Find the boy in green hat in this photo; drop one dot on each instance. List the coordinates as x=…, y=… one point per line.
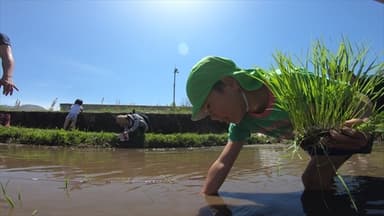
x=216, y=87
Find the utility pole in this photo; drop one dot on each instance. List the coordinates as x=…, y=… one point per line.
x=175, y=71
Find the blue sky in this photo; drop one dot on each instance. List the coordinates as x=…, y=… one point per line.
x=124, y=52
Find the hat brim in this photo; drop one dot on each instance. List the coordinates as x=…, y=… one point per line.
x=199, y=116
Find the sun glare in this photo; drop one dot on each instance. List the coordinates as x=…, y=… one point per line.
x=183, y=48
x=177, y=5
x=177, y=10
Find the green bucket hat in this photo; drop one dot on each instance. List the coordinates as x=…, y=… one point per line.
x=207, y=72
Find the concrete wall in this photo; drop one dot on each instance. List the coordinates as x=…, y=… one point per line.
x=159, y=123
x=65, y=107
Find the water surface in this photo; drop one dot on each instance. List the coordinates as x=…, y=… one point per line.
x=64, y=181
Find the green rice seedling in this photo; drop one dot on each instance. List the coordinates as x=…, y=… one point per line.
x=7, y=198
x=35, y=212
x=66, y=183
x=279, y=167
x=374, y=124
x=19, y=197
x=326, y=90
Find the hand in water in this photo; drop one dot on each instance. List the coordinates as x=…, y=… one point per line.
x=124, y=136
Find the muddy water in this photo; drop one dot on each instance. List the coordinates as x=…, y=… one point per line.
x=56, y=181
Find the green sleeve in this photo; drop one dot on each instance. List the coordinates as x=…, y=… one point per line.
x=237, y=133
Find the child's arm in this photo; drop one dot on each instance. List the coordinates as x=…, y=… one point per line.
x=221, y=167
x=7, y=60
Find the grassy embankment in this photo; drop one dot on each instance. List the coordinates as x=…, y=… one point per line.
x=76, y=138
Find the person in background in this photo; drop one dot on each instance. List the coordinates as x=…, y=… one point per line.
x=134, y=126
x=71, y=118
x=8, y=65
x=216, y=87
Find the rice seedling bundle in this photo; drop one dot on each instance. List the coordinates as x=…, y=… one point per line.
x=328, y=89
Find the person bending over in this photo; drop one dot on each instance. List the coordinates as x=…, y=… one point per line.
x=133, y=124
x=216, y=87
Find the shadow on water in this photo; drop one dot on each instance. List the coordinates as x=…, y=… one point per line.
x=367, y=193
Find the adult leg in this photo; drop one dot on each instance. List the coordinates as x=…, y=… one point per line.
x=321, y=170
x=73, y=123
x=137, y=137
x=66, y=123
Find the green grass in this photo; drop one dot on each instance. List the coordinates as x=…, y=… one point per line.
x=76, y=138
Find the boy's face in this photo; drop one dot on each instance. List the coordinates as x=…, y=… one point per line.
x=226, y=105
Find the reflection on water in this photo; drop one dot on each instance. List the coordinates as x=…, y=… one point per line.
x=367, y=195
x=366, y=191
x=57, y=181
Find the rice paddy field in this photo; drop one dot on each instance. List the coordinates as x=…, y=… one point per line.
x=41, y=180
